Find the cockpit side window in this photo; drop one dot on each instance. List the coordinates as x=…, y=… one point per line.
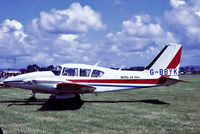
x=57, y=70
x=97, y=73
x=85, y=72
x=70, y=71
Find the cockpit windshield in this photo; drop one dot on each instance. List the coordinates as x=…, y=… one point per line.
x=97, y=73
x=57, y=70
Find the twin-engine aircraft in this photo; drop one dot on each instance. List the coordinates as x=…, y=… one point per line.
x=70, y=80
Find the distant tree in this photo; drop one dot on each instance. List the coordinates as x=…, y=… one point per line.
x=33, y=68
x=181, y=69
x=50, y=67
x=23, y=70
x=138, y=68
x=43, y=69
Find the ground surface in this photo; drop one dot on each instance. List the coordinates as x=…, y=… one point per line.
x=174, y=109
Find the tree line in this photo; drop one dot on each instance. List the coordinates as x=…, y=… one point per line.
x=183, y=70
x=35, y=68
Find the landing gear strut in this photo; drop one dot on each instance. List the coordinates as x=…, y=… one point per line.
x=77, y=99
x=77, y=96
x=32, y=98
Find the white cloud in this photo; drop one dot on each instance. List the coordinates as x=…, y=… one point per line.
x=177, y=3
x=138, y=33
x=55, y=38
x=75, y=19
x=12, y=37
x=136, y=40
x=41, y=57
x=184, y=22
x=137, y=27
x=59, y=36
x=114, y=48
x=190, y=56
x=14, y=27
x=68, y=37
x=197, y=13
x=12, y=24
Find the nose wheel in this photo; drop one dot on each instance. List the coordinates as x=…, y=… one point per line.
x=32, y=98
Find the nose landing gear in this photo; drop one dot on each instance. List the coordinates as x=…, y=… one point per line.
x=32, y=98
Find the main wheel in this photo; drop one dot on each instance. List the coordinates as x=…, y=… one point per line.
x=32, y=99
x=77, y=96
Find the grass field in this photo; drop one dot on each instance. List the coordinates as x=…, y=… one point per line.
x=174, y=109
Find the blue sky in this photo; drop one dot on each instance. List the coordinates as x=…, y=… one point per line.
x=116, y=32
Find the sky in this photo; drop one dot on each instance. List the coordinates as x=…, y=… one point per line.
x=115, y=32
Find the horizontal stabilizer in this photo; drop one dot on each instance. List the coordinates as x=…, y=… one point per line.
x=170, y=81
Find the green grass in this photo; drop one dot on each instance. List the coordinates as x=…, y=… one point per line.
x=174, y=109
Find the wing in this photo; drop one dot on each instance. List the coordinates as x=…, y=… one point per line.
x=71, y=88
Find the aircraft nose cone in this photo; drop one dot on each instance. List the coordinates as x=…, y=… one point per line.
x=8, y=80
x=5, y=81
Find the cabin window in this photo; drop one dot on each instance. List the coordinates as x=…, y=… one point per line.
x=97, y=73
x=70, y=71
x=85, y=72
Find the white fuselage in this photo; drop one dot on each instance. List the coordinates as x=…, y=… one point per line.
x=111, y=80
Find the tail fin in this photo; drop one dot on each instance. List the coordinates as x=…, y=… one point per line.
x=167, y=61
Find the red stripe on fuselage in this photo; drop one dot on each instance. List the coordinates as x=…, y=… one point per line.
x=116, y=81
x=176, y=60
x=15, y=81
x=122, y=81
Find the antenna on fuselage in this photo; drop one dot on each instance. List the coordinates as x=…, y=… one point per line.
x=121, y=68
x=97, y=63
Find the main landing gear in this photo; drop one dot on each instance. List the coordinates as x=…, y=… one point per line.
x=32, y=98
x=77, y=96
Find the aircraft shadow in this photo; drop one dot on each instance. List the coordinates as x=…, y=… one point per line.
x=48, y=104
x=61, y=105
x=73, y=104
x=150, y=101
